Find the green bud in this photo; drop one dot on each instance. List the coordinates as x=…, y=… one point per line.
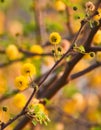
x=75, y=8
x=92, y=54
x=2, y=1
x=59, y=49
x=4, y=108
x=53, y=51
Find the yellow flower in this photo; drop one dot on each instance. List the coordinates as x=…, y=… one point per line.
x=19, y=100
x=21, y=82
x=98, y=16
x=97, y=37
x=60, y=6
x=75, y=26
x=70, y=107
x=3, y=84
x=12, y=52
x=54, y=38
x=40, y=106
x=98, y=56
x=28, y=69
x=36, y=49
x=2, y=22
x=93, y=115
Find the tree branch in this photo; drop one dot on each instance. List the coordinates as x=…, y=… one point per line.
x=88, y=69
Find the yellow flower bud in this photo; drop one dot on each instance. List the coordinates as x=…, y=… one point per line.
x=97, y=37
x=21, y=82
x=54, y=38
x=59, y=5
x=19, y=100
x=12, y=52
x=36, y=49
x=28, y=69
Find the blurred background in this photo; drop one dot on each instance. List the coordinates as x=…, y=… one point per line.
x=24, y=23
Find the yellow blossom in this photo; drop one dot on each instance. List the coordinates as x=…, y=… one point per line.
x=75, y=26
x=54, y=38
x=93, y=115
x=40, y=106
x=3, y=84
x=21, y=82
x=98, y=57
x=12, y=52
x=97, y=37
x=28, y=69
x=36, y=49
x=19, y=100
x=98, y=16
x=70, y=107
x=80, y=102
x=2, y=22
x=59, y=5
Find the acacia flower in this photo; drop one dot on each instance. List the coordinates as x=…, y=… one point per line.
x=54, y=38
x=60, y=6
x=98, y=16
x=19, y=100
x=12, y=52
x=21, y=82
x=28, y=69
x=97, y=37
x=36, y=49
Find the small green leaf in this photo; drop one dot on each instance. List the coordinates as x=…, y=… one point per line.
x=34, y=122
x=68, y=58
x=91, y=24
x=82, y=49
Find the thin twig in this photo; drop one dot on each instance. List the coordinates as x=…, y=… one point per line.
x=85, y=71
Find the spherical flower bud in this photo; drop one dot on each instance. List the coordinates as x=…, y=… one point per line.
x=75, y=8
x=59, y=5
x=98, y=16
x=28, y=69
x=54, y=38
x=97, y=37
x=36, y=49
x=19, y=100
x=21, y=82
x=92, y=54
x=12, y=52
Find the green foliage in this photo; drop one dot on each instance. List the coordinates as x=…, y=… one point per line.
x=26, y=5
x=29, y=28
x=79, y=49
x=4, y=4
x=78, y=16
x=38, y=115
x=70, y=90
x=68, y=3
x=37, y=64
x=96, y=128
x=53, y=25
x=93, y=23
